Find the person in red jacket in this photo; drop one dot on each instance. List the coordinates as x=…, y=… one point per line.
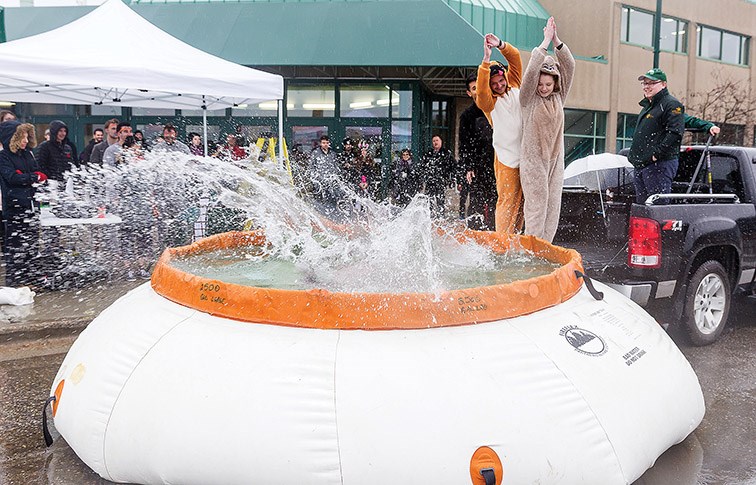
x=231, y=150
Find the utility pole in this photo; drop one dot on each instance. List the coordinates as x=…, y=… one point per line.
x=657, y=31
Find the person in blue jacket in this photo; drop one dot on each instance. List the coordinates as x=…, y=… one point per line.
x=19, y=175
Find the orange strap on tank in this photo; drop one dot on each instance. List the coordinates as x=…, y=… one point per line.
x=55, y=400
x=323, y=309
x=486, y=467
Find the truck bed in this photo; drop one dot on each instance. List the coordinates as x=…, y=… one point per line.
x=597, y=256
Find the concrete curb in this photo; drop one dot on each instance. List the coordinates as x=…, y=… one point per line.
x=41, y=330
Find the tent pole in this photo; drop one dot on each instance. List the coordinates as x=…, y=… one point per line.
x=280, y=133
x=204, y=125
x=601, y=195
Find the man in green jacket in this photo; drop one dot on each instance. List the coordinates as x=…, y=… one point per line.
x=658, y=133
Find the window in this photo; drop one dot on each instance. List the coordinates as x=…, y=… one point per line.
x=625, y=130
x=439, y=114
x=153, y=112
x=638, y=28
x=104, y=110
x=401, y=136
x=725, y=173
x=722, y=46
x=364, y=101
x=584, y=133
x=44, y=109
x=401, y=104
x=304, y=139
x=312, y=101
x=731, y=134
x=439, y=122
x=261, y=109
x=673, y=36
x=198, y=112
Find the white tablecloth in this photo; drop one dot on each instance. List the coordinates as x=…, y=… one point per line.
x=48, y=219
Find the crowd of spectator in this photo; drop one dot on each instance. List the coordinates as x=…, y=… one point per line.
x=357, y=166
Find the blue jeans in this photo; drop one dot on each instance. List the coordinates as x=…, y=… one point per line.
x=654, y=179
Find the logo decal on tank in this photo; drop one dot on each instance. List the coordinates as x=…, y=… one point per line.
x=584, y=341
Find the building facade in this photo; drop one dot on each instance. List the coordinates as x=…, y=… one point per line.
x=705, y=50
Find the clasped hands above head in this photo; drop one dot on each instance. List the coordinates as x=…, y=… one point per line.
x=492, y=42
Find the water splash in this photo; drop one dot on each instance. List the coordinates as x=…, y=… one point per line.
x=374, y=246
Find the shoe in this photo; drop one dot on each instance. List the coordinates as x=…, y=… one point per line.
x=144, y=274
x=130, y=276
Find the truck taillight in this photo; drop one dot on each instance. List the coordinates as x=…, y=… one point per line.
x=644, y=243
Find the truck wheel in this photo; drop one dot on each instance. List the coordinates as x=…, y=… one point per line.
x=707, y=303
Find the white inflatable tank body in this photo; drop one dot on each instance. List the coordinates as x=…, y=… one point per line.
x=158, y=393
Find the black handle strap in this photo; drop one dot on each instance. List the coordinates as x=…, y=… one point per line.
x=45, y=430
x=489, y=476
x=589, y=284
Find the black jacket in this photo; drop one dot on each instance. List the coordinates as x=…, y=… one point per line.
x=56, y=158
x=659, y=130
x=87, y=151
x=17, y=189
x=404, y=181
x=476, y=151
x=437, y=170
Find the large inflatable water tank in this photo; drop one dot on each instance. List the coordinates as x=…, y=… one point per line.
x=188, y=380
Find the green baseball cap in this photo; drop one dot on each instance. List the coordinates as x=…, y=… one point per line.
x=654, y=74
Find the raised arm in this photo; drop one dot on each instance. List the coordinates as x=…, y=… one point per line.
x=566, y=64
x=529, y=88
x=484, y=98
x=514, y=72
x=533, y=72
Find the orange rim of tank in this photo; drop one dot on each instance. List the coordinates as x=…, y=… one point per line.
x=323, y=309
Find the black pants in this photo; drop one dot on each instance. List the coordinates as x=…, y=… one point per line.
x=21, y=246
x=482, y=211
x=437, y=196
x=464, y=191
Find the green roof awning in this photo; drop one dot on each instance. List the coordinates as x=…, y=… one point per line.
x=325, y=32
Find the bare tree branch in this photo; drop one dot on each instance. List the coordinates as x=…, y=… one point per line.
x=730, y=104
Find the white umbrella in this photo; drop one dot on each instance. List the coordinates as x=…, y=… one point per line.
x=596, y=163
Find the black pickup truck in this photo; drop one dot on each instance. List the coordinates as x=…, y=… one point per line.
x=681, y=255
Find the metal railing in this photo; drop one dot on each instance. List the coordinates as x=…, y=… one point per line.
x=731, y=198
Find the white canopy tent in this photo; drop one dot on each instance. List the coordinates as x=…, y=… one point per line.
x=73, y=65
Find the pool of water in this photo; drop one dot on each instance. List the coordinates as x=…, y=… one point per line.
x=254, y=267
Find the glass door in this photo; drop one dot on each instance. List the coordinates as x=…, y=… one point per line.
x=303, y=135
x=373, y=137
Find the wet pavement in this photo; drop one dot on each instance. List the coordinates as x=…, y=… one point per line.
x=722, y=449
x=32, y=347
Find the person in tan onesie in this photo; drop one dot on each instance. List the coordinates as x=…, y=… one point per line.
x=498, y=97
x=545, y=86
